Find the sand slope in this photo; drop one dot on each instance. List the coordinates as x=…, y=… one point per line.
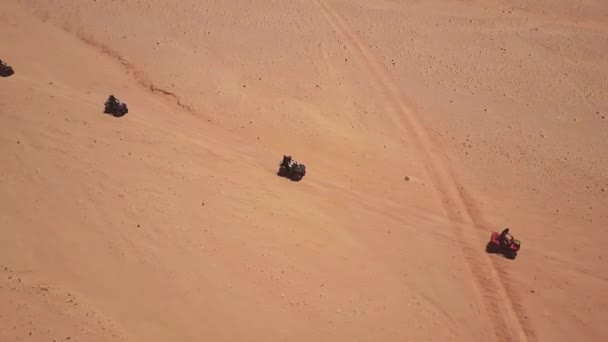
x=169, y=224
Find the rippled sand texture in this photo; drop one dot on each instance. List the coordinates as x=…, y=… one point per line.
x=424, y=126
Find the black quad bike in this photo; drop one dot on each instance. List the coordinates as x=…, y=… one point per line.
x=291, y=169
x=114, y=107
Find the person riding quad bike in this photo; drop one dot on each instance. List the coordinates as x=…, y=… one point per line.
x=288, y=162
x=505, y=238
x=115, y=107
x=504, y=244
x=291, y=169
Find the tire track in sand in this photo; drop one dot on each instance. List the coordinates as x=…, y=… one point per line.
x=458, y=206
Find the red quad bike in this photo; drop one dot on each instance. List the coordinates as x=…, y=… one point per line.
x=498, y=247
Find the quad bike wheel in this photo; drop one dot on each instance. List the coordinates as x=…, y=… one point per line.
x=282, y=171
x=491, y=248
x=511, y=255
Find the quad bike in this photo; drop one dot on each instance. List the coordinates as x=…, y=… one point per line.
x=291, y=169
x=498, y=246
x=115, y=107
x=5, y=69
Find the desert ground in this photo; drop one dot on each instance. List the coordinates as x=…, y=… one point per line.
x=424, y=127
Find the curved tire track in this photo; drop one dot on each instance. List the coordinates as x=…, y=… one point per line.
x=131, y=69
x=458, y=206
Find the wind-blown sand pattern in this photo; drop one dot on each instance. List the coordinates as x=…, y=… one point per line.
x=424, y=126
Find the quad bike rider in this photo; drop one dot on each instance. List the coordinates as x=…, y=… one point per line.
x=505, y=238
x=288, y=162
x=115, y=107
x=291, y=169
x=5, y=69
x=504, y=244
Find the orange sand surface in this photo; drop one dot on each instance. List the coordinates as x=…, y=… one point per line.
x=424, y=127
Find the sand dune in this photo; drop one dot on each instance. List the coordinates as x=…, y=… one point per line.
x=169, y=224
